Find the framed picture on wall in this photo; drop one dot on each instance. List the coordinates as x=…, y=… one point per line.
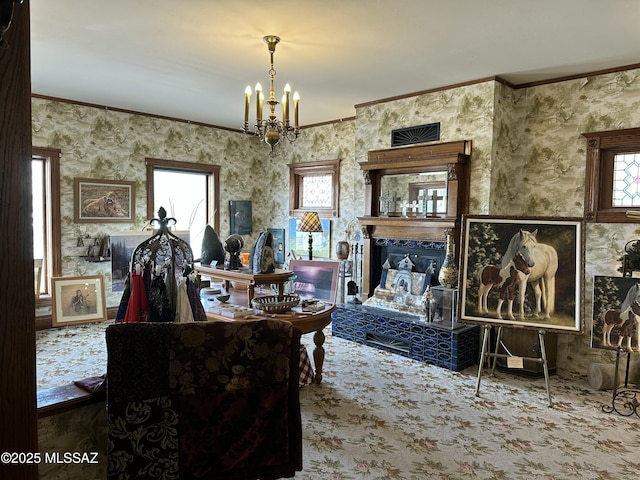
x=540, y=260
x=78, y=300
x=103, y=201
x=240, y=217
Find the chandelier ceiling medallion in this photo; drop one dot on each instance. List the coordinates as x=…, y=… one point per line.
x=272, y=130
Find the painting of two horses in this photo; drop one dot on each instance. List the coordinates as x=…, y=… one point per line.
x=522, y=272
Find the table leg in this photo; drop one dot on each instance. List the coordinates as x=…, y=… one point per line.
x=251, y=289
x=318, y=354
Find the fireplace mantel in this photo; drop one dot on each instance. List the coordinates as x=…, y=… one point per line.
x=399, y=228
x=452, y=158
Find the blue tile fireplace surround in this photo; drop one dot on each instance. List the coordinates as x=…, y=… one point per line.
x=408, y=336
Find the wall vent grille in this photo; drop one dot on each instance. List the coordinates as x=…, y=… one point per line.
x=420, y=134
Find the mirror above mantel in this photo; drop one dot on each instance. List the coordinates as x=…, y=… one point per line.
x=433, y=179
x=422, y=194
x=414, y=193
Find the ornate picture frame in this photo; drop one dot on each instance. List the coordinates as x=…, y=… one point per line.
x=103, y=201
x=539, y=262
x=78, y=300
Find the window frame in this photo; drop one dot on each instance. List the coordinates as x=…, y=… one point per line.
x=601, y=150
x=53, y=266
x=213, y=184
x=297, y=173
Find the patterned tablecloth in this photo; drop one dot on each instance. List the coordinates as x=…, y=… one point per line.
x=306, y=370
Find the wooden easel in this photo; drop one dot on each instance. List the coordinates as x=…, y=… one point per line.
x=495, y=355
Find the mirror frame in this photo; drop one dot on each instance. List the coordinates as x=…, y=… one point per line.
x=451, y=157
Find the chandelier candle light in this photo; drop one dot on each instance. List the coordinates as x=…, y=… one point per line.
x=272, y=130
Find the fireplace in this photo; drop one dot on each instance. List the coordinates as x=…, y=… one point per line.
x=390, y=229
x=433, y=182
x=423, y=254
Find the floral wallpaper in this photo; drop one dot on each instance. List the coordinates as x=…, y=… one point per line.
x=103, y=144
x=528, y=159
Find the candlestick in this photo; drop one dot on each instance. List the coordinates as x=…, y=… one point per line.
x=258, y=102
x=284, y=109
x=247, y=101
x=296, y=99
x=285, y=104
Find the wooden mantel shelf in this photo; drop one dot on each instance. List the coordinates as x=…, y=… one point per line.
x=407, y=228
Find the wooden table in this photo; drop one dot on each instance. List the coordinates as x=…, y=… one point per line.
x=244, y=275
x=305, y=322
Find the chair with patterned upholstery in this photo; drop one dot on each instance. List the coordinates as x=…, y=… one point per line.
x=203, y=400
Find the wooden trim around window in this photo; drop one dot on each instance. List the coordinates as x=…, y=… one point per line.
x=297, y=172
x=54, y=268
x=601, y=148
x=213, y=203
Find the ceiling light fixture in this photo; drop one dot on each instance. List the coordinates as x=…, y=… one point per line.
x=272, y=130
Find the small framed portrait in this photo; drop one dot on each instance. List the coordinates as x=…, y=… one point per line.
x=78, y=300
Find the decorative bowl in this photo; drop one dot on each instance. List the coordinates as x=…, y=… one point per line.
x=223, y=298
x=275, y=303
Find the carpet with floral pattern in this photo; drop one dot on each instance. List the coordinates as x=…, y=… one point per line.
x=377, y=415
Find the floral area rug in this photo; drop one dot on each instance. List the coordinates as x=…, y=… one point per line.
x=378, y=415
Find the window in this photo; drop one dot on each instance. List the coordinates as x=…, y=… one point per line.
x=612, y=181
x=189, y=192
x=314, y=186
x=45, y=174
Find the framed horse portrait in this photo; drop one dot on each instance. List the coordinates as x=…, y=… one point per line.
x=616, y=313
x=522, y=272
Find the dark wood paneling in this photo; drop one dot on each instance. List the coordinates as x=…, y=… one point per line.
x=18, y=424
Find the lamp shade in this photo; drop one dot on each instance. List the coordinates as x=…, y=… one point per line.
x=310, y=223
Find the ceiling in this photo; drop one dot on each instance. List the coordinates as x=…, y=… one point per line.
x=192, y=59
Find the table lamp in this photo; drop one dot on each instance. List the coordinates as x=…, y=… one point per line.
x=310, y=223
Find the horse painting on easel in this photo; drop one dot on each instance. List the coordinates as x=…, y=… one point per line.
x=543, y=292
x=616, y=313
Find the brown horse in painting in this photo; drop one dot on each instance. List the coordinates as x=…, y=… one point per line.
x=626, y=319
x=506, y=278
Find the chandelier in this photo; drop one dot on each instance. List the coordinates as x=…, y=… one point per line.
x=272, y=130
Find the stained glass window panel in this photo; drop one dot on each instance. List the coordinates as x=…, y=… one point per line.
x=626, y=180
x=317, y=191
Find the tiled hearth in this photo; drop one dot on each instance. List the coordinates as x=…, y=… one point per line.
x=408, y=336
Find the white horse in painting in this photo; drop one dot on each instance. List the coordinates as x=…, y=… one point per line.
x=543, y=266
